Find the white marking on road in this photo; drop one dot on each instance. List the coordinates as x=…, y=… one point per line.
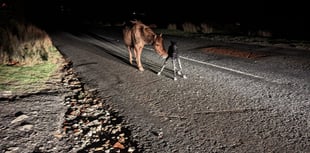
x=217, y=66
x=221, y=67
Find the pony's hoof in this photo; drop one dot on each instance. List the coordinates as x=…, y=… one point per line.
x=179, y=73
x=184, y=77
x=158, y=73
x=175, y=79
x=141, y=69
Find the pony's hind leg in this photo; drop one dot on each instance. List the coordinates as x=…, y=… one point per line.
x=138, y=51
x=130, y=55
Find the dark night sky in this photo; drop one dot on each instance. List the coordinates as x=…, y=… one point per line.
x=189, y=10
x=266, y=13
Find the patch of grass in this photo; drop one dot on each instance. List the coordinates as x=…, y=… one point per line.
x=28, y=58
x=23, y=79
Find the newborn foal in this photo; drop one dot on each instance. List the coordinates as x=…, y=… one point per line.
x=173, y=53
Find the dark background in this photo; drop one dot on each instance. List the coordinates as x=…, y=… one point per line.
x=287, y=19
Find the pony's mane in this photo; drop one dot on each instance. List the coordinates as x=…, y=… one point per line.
x=146, y=28
x=147, y=34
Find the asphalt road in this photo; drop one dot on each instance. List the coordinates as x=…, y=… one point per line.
x=227, y=103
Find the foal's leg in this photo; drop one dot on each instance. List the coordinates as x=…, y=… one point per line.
x=180, y=66
x=174, y=69
x=163, y=67
x=180, y=72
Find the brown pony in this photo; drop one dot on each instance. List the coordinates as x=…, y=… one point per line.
x=136, y=36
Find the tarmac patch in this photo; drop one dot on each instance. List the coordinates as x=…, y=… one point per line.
x=235, y=52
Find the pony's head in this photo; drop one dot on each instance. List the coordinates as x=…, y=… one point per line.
x=159, y=46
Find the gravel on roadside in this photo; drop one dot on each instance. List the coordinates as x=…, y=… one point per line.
x=64, y=118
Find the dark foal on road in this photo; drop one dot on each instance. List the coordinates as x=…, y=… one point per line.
x=173, y=53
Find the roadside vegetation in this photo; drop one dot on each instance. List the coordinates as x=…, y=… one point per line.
x=27, y=57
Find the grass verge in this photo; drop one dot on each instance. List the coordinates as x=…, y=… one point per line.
x=28, y=59
x=20, y=79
